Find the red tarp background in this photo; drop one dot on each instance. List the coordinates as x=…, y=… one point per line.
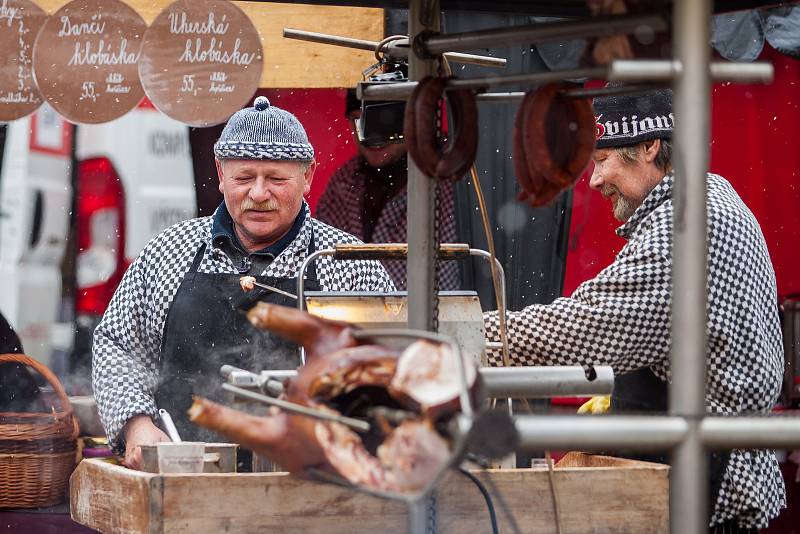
x=755, y=145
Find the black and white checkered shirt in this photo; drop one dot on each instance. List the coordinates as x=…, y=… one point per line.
x=126, y=351
x=622, y=318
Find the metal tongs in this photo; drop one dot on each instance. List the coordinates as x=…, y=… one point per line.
x=239, y=379
x=358, y=425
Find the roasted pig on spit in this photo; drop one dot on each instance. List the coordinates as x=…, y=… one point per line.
x=408, y=397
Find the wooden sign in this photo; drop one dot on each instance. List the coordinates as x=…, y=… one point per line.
x=20, y=22
x=201, y=61
x=85, y=60
x=289, y=63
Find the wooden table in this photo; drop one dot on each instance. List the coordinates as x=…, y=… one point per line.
x=596, y=494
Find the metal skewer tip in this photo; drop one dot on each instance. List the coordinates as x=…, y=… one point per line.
x=275, y=290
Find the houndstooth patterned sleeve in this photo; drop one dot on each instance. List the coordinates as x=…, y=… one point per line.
x=125, y=355
x=127, y=342
x=620, y=318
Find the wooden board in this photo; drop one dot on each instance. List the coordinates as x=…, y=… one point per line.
x=288, y=62
x=596, y=495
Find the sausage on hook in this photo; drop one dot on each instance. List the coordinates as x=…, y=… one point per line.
x=453, y=160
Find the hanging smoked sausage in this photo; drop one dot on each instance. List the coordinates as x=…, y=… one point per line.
x=453, y=160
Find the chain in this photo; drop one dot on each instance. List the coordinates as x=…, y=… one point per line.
x=431, y=513
x=436, y=218
x=431, y=504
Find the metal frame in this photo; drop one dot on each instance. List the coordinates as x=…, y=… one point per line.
x=472, y=252
x=686, y=431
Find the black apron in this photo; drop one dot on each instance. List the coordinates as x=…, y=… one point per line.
x=642, y=392
x=206, y=328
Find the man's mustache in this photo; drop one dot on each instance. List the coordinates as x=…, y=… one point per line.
x=267, y=205
x=607, y=190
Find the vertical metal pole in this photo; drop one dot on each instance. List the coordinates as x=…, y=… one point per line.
x=420, y=267
x=418, y=517
x=422, y=15
x=689, y=475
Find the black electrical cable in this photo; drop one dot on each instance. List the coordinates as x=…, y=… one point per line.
x=493, y=489
x=486, y=497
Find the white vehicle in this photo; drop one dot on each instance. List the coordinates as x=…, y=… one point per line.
x=133, y=178
x=35, y=198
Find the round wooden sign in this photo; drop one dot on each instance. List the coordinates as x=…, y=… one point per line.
x=85, y=60
x=20, y=22
x=201, y=61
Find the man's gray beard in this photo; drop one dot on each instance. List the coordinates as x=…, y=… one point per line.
x=623, y=208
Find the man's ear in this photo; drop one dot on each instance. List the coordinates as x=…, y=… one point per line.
x=221, y=177
x=308, y=177
x=650, y=150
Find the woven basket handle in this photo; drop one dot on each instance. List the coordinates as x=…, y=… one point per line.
x=53, y=380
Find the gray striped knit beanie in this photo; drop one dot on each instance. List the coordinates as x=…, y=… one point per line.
x=263, y=132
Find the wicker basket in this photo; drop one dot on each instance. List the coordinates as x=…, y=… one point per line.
x=37, y=450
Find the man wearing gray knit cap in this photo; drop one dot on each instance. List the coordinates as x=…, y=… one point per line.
x=176, y=317
x=622, y=317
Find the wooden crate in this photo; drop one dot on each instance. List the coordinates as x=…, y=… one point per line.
x=597, y=494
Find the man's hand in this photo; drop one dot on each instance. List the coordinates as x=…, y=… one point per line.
x=140, y=430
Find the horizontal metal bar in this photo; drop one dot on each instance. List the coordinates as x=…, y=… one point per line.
x=472, y=59
x=544, y=382
x=657, y=70
x=394, y=251
x=324, y=38
x=612, y=91
x=770, y=432
x=517, y=382
x=396, y=49
x=539, y=33
x=620, y=70
x=599, y=432
x=514, y=96
x=402, y=90
x=399, y=50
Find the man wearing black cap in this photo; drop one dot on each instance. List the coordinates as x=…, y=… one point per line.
x=175, y=318
x=367, y=196
x=622, y=316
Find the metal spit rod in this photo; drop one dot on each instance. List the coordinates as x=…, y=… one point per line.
x=500, y=382
x=397, y=49
x=544, y=32
x=275, y=290
x=355, y=424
